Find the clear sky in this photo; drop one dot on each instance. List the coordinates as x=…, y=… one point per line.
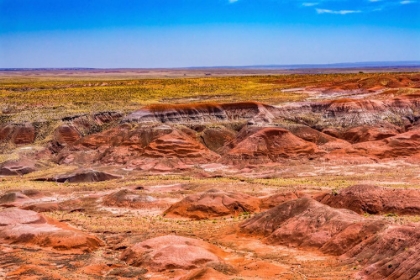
x=182, y=33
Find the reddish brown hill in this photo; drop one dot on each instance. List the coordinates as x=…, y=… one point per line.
x=18, y=133
x=135, y=145
x=375, y=200
x=213, y=203
x=217, y=138
x=81, y=176
x=389, y=254
x=17, y=167
x=368, y=133
x=324, y=141
x=171, y=252
x=305, y=222
x=126, y=198
x=30, y=228
x=386, y=251
x=270, y=144
x=279, y=198
x=66, y=135
x=401, y=145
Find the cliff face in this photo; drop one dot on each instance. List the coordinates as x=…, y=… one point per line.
x=202, y=113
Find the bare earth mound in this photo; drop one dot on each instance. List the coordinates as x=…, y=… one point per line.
x=31, y=228
x=390, y=254
x=84, y=176
x=375, y=200
x=277, y=199
x=171, y=252
x=213, y=203
x=386, y=251
x=270, y=144
x=305, y=222
x=125, y=198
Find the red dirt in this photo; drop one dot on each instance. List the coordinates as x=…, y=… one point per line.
x=368, y=133
x=30, y=228
x=18, y=133
x=389, y=254
x=270, y=144
x=81, y=176
x=126, y=198
x=171, y=252
x=213, y=203
x=17, y=167
x=305, y=222
x=374, y=200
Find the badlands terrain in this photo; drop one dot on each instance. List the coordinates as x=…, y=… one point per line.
x=205, y=175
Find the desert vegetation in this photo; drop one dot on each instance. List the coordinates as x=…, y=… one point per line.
x=291, y=176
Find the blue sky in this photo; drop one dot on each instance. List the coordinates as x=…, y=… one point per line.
x=182, y=33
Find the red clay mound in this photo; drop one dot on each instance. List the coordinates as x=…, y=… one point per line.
x=270, y=144
x=17, y=167
x=125, y=198
x=368, y=133
x=28, y=227
x=279, y=198
x=84, y=176
x=66, y=135
x=14, y=199
x=18, y=133
x=13, y=216
x=215, y=138
x=403, y=266
x=179, y=145
x=305, y=222
x=171, y=252
x=73, y=205
x=324, y=141
x=391, y=254
x=213, y=203
x=375, y=200
x=386, y=251
x=206, y=273
x=401, y=145
x=135, y=144
x=30, y=271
